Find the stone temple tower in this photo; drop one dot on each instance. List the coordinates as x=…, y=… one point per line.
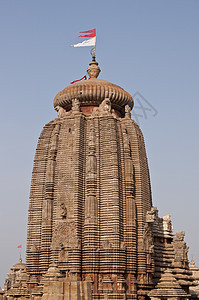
x=90, y=192
x=92, y=230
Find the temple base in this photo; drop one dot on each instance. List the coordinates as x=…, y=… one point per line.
x=75, y=290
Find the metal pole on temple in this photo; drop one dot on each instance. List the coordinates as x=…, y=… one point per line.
x=93, y=49
x=20, y=255
x=19, y=247
x=93, y=53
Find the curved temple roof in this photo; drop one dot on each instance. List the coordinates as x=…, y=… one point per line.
x=93, y=92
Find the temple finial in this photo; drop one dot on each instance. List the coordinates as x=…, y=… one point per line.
x=93, y=69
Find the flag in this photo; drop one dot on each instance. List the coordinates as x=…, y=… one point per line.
x=19, y=246
x=90, y=42
x=91, y=33
x=83, y=78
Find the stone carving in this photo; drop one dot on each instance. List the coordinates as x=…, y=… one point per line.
x=107, y=284
x=63, y=211
x=192, y=263
x=179, y=236
x=194, y=289
x=65, y=234
x=8, y=284
x=127, y=148
x=180, y=250
x=123, y=246
x=75, y=105
x=73, y=276
x=151, y=215
x=63, y=256
x=79, y=244
x=106, y=105
x=106, y=244
x=60, y=111
x=127, y=112
x=91, y=177
x=61, y=245
x=121, y=284
x=148, y=243
x=91, y=141
x=53, y=149
x=141, y=279
x=93, y=69
x=114, y=113
x=89, y=278
x=34, y=248
x=167, y=225
x=103, y=109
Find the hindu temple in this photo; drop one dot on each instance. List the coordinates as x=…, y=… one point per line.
x=93, y=232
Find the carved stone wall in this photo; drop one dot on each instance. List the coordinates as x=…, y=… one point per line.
x=89, y=216
x=167, y=251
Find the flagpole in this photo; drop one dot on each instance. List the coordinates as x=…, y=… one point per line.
x=95, y=45
x=93, y=52
x=19, y=247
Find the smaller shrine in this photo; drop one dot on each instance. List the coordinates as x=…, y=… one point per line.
x=16, y=282
x=194, y=289
x=168, y=288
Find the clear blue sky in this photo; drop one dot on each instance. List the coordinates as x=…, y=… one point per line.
x=146, y=46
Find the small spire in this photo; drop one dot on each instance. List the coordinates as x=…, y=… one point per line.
x=93, y=69
x=192, y=263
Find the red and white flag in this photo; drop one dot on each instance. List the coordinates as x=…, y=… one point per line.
x=90, y=42
x=83, y=78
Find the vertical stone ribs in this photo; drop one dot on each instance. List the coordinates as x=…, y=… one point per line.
x=130, y=212
x=89, y=198
x=36, y=200
x=47, y=210
x=112, y=258
x=79, y=188
x=90, y=241
x=142, y=192
x=69, y=196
